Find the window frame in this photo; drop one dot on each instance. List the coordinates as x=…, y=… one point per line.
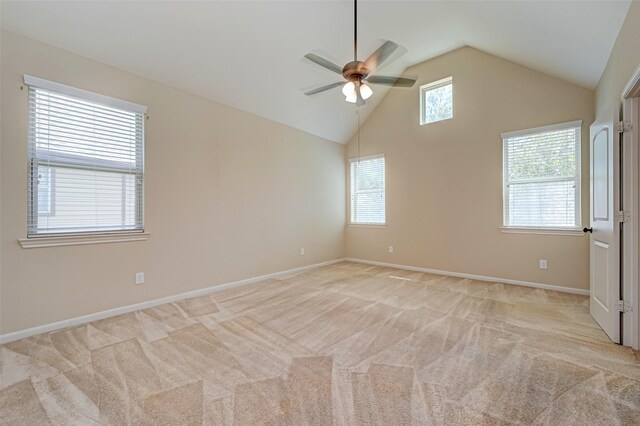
x=577, y=179
x=73, y=237
x=351, y=192
x=432, y=86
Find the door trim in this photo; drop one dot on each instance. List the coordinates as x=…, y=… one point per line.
x=632, y=88
x=631, y=229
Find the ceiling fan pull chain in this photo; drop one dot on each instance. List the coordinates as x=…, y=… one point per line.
x=358, y=130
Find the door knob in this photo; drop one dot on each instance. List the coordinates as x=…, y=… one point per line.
x=585, y=230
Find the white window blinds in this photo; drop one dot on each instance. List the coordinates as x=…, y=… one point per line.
x=542, y=177
x=367, y=190
x=86, y=161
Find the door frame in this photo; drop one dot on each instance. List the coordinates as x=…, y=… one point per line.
x=631, y=229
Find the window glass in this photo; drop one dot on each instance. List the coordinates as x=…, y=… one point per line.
x=542, y=177
x=368, y=191
x=437, y=101
x=86, y=165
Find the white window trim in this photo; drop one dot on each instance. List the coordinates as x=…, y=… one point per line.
x=541, y=129
x=574, y=230
x=84, y=238
x=430, y=86
x=367, y=224
x=82, y=94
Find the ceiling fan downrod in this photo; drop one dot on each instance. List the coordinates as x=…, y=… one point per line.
x=355, y=30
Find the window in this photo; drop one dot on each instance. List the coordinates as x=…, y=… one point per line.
x=436, y=101
x=542, y=177
x=85, y=161
x=367, y=191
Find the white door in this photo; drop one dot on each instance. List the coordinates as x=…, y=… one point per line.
x=604, y=239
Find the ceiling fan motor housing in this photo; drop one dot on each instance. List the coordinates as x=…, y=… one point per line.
x=355, y=71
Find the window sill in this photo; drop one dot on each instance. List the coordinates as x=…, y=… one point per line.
x=77, y=240
x=368, y=225
x=542, y=231
x=426, y=123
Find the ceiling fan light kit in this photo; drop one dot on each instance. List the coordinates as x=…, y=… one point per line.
x=350, y=91
x=358, y=73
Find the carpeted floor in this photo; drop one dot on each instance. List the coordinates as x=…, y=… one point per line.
x=344, y=344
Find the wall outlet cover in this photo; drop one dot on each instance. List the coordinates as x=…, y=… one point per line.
x=543, y=263
x=139, y=277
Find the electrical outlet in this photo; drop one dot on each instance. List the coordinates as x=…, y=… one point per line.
x=390, y=249
x=543, y=263
x=139, y=277
x=302, y=251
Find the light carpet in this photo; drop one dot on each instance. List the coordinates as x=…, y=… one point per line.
x=344, y=344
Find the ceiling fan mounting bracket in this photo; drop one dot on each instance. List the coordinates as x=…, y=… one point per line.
x=355, y=71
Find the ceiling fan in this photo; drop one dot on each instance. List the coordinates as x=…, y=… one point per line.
x=358, y=73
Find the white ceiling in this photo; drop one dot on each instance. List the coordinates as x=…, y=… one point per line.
x=249, y=54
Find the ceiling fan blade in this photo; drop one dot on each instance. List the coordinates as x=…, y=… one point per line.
x=324, y=88
x=381, y=54
x=324, y=63
x=391, y=81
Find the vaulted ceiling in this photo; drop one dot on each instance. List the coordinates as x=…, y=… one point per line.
x=248, y=55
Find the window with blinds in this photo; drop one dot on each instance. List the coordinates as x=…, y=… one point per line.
x=542, y=177
x=367, y=191
x=86, y=161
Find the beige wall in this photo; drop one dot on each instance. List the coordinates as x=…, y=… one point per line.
x=228, y=196
x=444, y=180
x=623, y=61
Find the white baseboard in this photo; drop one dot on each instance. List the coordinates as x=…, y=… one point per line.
x=17, y=335
x=474, y=277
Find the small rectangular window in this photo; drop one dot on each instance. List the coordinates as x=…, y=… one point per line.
x=86, y=161
x=542, y=177
x=367, y=191
x=436, y=101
